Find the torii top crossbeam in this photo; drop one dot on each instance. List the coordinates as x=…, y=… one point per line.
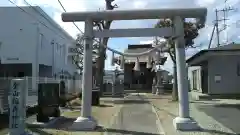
x=199, y=13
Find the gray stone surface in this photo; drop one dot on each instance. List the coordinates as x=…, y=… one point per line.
x=216, y=118
x=135, y=118
x=209, y=123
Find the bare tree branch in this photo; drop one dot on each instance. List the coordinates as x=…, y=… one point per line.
x=172, y=56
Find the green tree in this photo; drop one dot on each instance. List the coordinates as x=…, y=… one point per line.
x=191, y=32
x=78, y=59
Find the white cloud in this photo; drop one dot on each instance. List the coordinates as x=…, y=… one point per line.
x=139, y=4
x=68, y=26
x=146, y=42
x=205, y=3
x=69, y=5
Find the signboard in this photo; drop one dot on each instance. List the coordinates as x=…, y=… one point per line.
x=217, y=78
x=73, y=50
x=17, y=109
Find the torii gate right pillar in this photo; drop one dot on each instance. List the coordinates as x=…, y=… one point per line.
x=183, y=121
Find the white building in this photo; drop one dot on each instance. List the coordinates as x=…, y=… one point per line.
x=32, y=44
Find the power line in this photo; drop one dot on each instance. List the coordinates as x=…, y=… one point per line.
x=216, y=23
x=44, y=16
x=110, y=49
x=66, y=11
x=36, y=18
x=74, y=22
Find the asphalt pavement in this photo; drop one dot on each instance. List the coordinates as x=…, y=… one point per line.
x=135, y=118
x=227, y=115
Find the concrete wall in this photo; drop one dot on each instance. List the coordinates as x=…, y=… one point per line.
x=226, y=67
x=22, y=35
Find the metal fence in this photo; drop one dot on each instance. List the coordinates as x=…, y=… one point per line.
x=72, y=86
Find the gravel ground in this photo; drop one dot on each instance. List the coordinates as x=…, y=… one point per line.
x=103, y=114
x=168, y=110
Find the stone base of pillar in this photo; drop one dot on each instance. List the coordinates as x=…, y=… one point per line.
x=153, y=90
x=84, y=124
x=185, y=124
x=25, y=133
x=159, y=90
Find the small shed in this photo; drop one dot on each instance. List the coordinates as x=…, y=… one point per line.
x=215, y=70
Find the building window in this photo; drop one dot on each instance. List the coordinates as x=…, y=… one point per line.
x=57, y=47
x=194, y=77
x=41, y=41
x=60, y=50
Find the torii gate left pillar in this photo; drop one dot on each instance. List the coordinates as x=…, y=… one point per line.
x=183, y=121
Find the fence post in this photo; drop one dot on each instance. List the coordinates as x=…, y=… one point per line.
x=45, y=79
x=17, y=105
x=27, y=90
x=113, y=89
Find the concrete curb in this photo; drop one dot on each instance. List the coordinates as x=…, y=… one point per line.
x=158, y=122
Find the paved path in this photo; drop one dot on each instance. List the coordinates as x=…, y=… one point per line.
x=226, y=114
x=135, y=118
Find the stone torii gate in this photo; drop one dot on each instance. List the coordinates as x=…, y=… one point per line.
x=183, y=121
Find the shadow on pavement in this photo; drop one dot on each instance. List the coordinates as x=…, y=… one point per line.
x=157, y=97
x=129, y=101
x=38, y=131
x=115, y=131
x=200, y=102
x=216, y=132
x=103, y=105
x=211, y=132
x=112, y=96
x=98, y=129
x=237, y=106
x=4, y=121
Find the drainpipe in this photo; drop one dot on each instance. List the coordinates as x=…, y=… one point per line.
x=35, y=63
x=53, y=57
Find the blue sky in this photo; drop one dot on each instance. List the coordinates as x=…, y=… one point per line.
x=53, y=8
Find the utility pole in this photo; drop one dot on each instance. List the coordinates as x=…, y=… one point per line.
x=216, y=23
x=102, y=50
x=217, y=29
